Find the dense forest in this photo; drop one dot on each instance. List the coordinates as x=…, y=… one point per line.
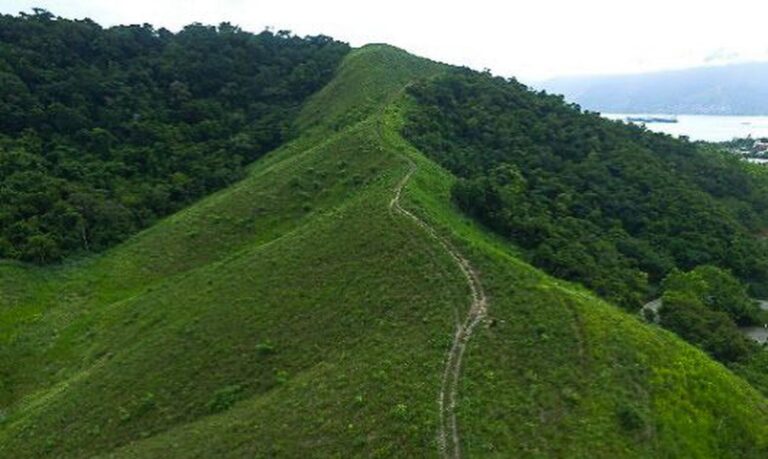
x=102, y=131
x=610, y=205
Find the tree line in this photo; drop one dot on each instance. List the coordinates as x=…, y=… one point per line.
x=103, y=131
x=613, y=206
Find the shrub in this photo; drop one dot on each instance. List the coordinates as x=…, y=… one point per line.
x=629, y=418
x=224, y=398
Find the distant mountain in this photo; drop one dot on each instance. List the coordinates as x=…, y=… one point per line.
x=736, y=89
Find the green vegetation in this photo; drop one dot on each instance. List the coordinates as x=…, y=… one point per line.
x=609, y=205
x=705, y=306
x=103, y=131
x=294, y=312
x=717, y=290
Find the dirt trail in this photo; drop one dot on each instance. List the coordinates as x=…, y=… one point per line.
x=448, y=435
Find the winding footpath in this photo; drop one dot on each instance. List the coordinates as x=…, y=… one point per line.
x=448, y=435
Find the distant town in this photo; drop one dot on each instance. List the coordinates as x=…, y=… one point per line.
x=760, y=146
x=752, y=150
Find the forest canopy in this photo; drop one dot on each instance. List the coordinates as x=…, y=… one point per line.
x=610, y=205
x=705, y=306
x=103, y=131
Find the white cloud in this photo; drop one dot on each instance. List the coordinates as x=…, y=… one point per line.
x=529, y=39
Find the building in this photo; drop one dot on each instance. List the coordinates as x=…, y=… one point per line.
x=760, y=145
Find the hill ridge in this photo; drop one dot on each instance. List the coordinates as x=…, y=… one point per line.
x=335, y=338
x=476, y=314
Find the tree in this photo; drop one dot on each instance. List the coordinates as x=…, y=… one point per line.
x=102, y=131
x=613, y=206
x=704, y=306
x=41, y=248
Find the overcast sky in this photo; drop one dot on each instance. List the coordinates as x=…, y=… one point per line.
x=529, y=39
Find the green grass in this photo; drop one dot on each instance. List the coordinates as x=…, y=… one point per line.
x=561, y=372
x=294, y=315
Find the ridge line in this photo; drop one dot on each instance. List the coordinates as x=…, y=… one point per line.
x=477, y=312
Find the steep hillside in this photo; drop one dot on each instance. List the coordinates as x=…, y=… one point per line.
x=610, y=205
x=104, y=131
x=734, y=89
x=331, y=304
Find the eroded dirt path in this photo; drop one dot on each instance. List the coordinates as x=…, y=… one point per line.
x=448, y=435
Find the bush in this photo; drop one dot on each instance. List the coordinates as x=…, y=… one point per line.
x=629, y=418
x=703, y=307
x=224, y=398
x=265, y=348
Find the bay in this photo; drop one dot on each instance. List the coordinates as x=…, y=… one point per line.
x=704, y=127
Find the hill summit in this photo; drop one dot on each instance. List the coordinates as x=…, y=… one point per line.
x=337, y=302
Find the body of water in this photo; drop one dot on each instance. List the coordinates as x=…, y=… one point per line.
x=706, y=127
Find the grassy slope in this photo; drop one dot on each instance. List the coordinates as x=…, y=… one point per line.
x=293, y=312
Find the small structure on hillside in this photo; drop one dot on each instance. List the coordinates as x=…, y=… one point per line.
x=760, y=145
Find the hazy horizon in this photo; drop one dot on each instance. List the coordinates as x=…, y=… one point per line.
x=533, y=41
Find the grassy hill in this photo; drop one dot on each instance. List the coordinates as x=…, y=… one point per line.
x=301, y=313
